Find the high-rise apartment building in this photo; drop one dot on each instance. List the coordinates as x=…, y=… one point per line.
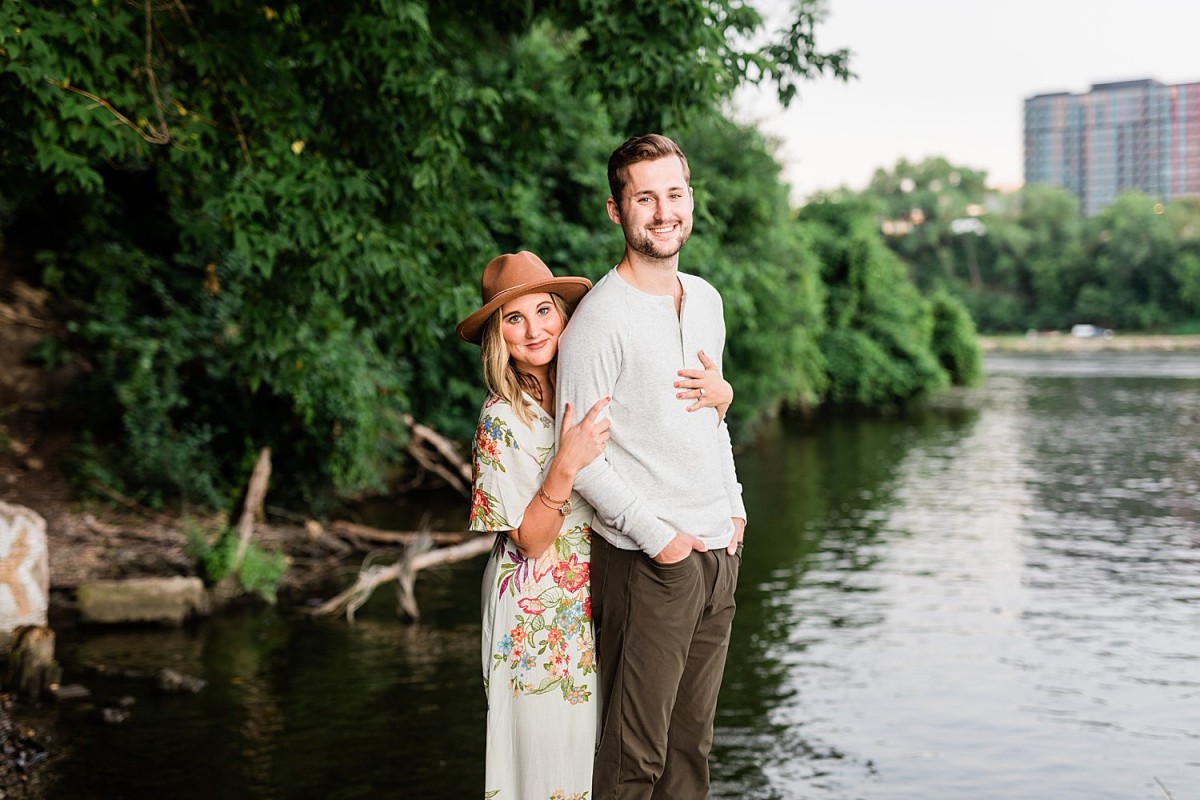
x=1133, y=135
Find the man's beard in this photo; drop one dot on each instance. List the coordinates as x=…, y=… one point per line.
x=641, y=242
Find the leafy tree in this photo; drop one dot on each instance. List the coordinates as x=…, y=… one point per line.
x=747, y=244
x=1132, y=250
x=877, y=339
x=1183, y=215
x=1033, y=262
x=1030, y=260
x=953, y=340
x=262, y=221
x=924, y=200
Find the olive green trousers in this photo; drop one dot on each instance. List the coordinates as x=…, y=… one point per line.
x=662, y=635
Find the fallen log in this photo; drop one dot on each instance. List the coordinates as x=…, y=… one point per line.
x=230, y=586
x=437, y=454
x=168, y=536
x=353, y=530
x=130, y=503
x=256, y=492
x=418, y=556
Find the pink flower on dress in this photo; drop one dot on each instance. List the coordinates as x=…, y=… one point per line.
x=531, y=605
x=571, y=575
x=479, y=505
x=489, y=447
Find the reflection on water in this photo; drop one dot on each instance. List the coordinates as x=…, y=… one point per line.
x=293, y=708
x=998, y=597
x=1002, y=606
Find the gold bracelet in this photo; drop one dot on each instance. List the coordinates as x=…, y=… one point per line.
x=561, y=506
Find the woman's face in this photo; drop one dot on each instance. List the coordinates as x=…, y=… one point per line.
x=531, y=325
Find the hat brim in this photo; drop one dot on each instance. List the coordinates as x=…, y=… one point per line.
x=570, y=289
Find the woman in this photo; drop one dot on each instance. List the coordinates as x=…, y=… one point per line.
x=538, y=649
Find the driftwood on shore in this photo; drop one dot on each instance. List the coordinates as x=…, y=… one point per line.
x=230, y=587
x=432, y=452
x=437, y=454
x=131, y=504
x=256, y=492
x=417, y=556
x=354, y=532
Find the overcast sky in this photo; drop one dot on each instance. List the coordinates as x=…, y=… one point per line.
x=948, y=77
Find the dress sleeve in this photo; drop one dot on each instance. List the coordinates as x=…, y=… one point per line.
x=507, y=468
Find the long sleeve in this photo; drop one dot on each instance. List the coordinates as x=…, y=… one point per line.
x=665, y=470
x=589, y=365
x=733, y=489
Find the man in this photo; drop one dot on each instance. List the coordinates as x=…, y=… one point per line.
x=669, y=514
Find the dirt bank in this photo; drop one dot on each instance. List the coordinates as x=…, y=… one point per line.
x=93, y=533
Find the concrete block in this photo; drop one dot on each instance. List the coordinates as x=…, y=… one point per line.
x=170, y=600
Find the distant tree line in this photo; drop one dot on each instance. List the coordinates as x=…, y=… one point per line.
x=1031, y=261
x=261, y=221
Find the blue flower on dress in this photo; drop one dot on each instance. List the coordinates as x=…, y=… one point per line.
x=571, y=614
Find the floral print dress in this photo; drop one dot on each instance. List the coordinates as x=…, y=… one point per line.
x=539, y=663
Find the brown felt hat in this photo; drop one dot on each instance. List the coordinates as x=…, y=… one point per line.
x=514, y=274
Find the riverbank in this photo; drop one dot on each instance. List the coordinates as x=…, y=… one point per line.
x=1055, y=342
x=98, y=538
x=866, y=572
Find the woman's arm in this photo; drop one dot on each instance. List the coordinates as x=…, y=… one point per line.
x=706, y=386
x=578, y=446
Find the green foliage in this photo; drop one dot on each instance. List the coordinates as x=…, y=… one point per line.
x=263, y=221
x=690, y=56
x=1132, y=251
x=877, y=339
x=954, y=341
x=1033, y=262
x=747, y=244
x=924, y=201
x=50, y=353
x=260, y=572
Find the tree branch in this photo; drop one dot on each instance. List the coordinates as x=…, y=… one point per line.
x=434, y=452
x=154, y=136
x=153, y=79
x=418, y=556
x=255, y=494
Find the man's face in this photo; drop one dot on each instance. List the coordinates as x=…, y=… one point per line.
x=656, y=208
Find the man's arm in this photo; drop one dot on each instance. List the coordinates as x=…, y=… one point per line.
x=590, y=356
x=733, y=488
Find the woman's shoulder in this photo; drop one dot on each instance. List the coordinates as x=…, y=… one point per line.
x=499, y=412
x=496, y=407
x=494, y=400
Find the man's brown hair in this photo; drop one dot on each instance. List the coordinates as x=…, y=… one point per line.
x=649, y=147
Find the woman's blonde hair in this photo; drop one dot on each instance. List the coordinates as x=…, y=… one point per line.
x=504, y=380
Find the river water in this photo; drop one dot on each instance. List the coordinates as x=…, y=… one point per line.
x=997, y=596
